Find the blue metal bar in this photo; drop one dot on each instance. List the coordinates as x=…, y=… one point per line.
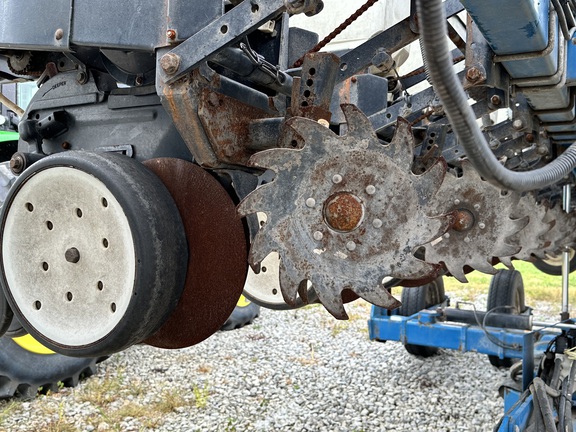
x=527, y=361
x=424, y=329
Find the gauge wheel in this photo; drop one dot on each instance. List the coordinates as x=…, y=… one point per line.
x=263, y=288
x=416, y=299
x=94, y=254
x=28, y=368
x=506, y=289
x=553, y=264
x=243, y=314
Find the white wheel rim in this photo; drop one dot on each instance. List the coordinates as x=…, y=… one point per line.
x=70, y=303
x=556, y=260
x=265, y=286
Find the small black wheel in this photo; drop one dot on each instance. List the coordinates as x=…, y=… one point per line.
x=416, y=299
x=243, y=314
x=28, y=368
x=94, y=254
x=553, y=265
x=506, y=289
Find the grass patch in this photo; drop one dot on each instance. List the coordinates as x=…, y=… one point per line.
x=201, y=395
x=8, y=410
x=538, y=286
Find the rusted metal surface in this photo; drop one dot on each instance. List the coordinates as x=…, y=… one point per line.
x=226, y=121
x=217, y=264
x=312, y=98
x=337, y=30
x=181, y=101
x=343, y=211
x=488, y=236
x=463, y=220
x=394, y=202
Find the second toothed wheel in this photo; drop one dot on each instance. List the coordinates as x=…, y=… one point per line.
x=482, y=224
x=532, y=238
x=344, y=212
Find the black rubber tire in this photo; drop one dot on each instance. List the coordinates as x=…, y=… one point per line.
x=243, y=314
x=554, y=270
x=506, y=289
x=24, y=374
x=159, y=241
x=416, y=299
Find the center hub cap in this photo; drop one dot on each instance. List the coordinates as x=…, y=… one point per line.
x=344, y=212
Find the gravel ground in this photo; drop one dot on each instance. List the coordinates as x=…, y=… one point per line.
x=289, y=371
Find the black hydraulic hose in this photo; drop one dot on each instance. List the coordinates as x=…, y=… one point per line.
x=432, y=20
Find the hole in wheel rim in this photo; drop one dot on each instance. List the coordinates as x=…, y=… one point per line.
x=113, y=307
x=29, y=207
x=45, y=266
x=100, y=285
x=79, y=212
x=49, y=225
x=69, y=296
x=37, y=305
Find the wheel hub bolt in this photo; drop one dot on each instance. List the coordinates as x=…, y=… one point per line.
x=72, y=255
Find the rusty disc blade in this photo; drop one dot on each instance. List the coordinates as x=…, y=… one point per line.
x=217, y=263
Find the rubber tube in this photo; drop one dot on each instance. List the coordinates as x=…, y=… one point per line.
x=432, y=19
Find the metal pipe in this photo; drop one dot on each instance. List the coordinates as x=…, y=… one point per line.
x=492, y=319
x=560, y=326
x=236, y=61
x=566, y=195
x=11, y=105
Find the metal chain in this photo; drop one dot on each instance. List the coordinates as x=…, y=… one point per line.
x=336, y=31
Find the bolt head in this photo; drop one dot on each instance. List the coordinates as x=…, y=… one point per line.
x=311, y=203
x=318, y=236
x=456, y=202
x=337, y=179
x=518, y=124
x=171, y=34
x=59, y=34
x=473, y=74
x=482, y=225
x=170, y=63
x=496, y=101
x=377, y=223
x=17, y=164
x=370, y=189
x=351, y=246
